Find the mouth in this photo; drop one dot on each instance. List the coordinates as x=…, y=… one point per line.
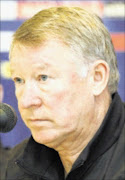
x=38, y=122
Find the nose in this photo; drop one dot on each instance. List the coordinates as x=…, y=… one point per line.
x=30, y=97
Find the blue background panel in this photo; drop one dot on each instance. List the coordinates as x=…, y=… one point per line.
x=115, y=24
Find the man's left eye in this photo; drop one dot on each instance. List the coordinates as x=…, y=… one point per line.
x=43, y=77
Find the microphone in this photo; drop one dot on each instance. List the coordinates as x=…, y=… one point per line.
x=8, y=118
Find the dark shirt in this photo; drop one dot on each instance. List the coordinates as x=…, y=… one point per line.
x=4, y=156
x=102, y=159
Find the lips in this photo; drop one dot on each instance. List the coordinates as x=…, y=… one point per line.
x=35, y=120
x=38, y=123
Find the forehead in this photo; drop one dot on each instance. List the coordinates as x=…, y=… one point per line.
x=48, y=54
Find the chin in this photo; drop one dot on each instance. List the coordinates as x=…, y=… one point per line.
x=47, y=138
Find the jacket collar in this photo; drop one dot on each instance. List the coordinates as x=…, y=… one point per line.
x=110, y=129
x=106, y=135
x=38, y=159
x=41, y=160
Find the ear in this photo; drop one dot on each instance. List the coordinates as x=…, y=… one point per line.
x=100, y=76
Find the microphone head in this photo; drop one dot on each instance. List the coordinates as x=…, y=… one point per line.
x=8, y=118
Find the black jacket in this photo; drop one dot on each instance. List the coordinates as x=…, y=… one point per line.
x=103, y=160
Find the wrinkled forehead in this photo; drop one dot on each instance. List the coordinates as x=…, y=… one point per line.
x=51, y=53
x=49, y=50
x=50, y=41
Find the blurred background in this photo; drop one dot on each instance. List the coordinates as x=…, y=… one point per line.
x=14, y=13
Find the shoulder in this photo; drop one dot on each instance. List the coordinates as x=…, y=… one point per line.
x=18, y=150
x=14, y=154
x=116, y=169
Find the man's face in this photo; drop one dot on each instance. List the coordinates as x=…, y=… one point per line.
x=53, y=99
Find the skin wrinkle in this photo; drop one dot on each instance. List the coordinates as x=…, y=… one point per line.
x=64, y=109
x=73, y=154
x=71, y=115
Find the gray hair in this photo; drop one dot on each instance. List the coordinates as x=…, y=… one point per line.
x=80, y=30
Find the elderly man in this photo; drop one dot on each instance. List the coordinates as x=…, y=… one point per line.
x=65, y=72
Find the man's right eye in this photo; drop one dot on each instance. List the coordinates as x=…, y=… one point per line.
x=18, y=80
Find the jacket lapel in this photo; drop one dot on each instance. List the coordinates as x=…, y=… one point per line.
x=40, y=160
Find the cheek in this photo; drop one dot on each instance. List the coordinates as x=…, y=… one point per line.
x=65, y=95
x=18, y=101
x=18, y=95
x=67, y=98
x=62, y=105
x=22, y=113
x=59, y=99
x=62, y=110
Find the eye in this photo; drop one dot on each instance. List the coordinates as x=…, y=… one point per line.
x=43, y=77
x=18, y=80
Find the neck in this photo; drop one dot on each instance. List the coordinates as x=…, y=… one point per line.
x=71, y=149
